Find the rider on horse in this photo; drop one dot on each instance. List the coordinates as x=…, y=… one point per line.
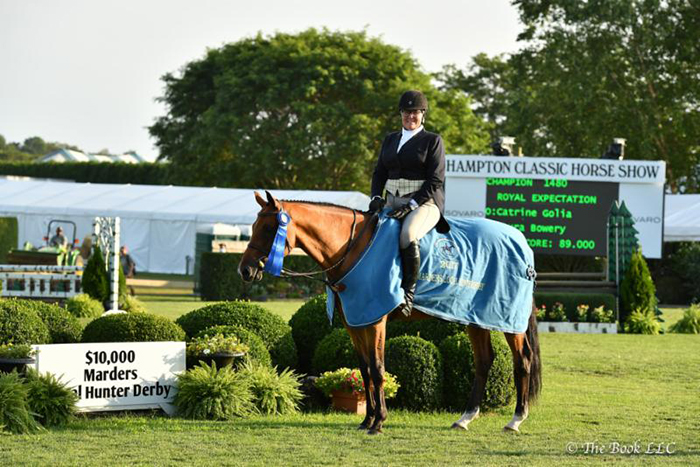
x=411, y=170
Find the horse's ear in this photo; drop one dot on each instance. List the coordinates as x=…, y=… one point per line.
x=271, y=201
x=261, y=201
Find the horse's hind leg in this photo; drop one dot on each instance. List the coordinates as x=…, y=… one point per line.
x=369, y=395
x=483, y=359
x=520, y=348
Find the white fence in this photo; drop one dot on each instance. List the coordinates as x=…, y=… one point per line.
x=30, y=281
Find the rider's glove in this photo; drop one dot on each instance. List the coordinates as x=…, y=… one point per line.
x=377, y=204
x=403, y=211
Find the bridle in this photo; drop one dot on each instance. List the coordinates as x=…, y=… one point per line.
x=310, y=274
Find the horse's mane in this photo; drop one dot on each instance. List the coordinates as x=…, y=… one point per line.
x=322, y=203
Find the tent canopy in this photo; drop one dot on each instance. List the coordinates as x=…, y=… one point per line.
x=682, y=218
x=158, y=223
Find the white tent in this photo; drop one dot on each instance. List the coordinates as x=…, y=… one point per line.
x=158, y=223
x=682, y=218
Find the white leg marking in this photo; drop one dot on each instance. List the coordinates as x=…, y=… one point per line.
x=467, y=418
x=514, y=424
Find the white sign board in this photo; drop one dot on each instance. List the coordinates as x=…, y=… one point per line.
x=116, y=376
x=560, y=204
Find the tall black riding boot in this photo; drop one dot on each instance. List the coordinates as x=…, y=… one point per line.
x=410, y=262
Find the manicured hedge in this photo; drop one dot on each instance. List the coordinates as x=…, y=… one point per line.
x=8, y=236
x=21, y=324
x=459, y=371
x=92, y=172
x=284, y=353
x=132, y=327
x=219, y=279
x=333, y=352
x=309, y=326
x=417, y=365
x=572, y=300
x=432, y=330
x=251, y=316
x=64, y=328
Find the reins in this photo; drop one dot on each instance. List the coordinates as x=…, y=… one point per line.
x=312, y=274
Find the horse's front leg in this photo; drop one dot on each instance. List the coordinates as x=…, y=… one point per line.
x=376, y=369
x=369, y=395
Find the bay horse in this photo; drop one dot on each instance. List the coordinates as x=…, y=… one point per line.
x=334, y=237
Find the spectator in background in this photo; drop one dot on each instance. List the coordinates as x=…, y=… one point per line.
x=222, y=248
x=59, y=240
x=128, y=265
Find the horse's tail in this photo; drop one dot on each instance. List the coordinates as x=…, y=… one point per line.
x=535, y=362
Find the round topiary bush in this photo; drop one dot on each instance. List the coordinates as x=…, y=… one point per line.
x=458, y=362
x=417, y=365
x=21, y=324
x=310, y=325
x=333, y=352
x=84, y=306
x=257, y=351
x=64, y=328
x=251, y=316
x=132, y=327
x=284, y=353
x=432, y=330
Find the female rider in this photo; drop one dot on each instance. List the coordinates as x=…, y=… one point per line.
x=411, y=172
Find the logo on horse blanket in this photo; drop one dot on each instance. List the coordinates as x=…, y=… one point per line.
x=481, y=272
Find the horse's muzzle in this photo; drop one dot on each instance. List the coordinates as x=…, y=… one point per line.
x=251, y=273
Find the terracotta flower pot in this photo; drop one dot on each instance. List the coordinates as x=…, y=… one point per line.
x=19, y=364
x=352, y=402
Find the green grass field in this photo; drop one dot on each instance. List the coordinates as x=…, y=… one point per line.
x=598, y=390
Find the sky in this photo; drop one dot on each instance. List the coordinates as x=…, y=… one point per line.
x=87, y=72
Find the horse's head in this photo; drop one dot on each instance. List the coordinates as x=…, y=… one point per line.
x=262, y=238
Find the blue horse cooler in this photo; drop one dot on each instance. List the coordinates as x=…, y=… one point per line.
x=481, y=272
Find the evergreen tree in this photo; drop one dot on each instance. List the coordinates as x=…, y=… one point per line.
x=637, y=291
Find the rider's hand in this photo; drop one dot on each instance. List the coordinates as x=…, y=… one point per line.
x=403, y=211
x=377, y=204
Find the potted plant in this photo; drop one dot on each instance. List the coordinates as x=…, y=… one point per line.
x=218, y=348
x=347, y=388
x=16, y=357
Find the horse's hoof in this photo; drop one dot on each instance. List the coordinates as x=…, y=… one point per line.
x=362, y=427
x=374, y=432
x=510, y=429
x=457, y=426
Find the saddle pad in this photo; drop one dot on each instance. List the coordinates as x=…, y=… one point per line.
x=481, y=273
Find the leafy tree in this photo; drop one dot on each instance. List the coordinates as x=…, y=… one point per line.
x=592, y=71
x=305, y=110
x=34, y=145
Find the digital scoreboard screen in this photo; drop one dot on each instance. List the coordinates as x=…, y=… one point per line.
x=556, y=216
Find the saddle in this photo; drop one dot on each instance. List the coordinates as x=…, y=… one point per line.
x=480, y=272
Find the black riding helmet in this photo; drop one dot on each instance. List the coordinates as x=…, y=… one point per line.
x=413, y=100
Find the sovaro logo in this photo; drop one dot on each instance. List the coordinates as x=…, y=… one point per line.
x=448, y=253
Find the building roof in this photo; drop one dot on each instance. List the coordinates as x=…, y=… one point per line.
x=70, y=155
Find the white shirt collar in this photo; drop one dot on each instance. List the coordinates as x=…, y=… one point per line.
x=408, y=134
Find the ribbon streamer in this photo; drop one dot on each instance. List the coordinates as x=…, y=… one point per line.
x=273, y=265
